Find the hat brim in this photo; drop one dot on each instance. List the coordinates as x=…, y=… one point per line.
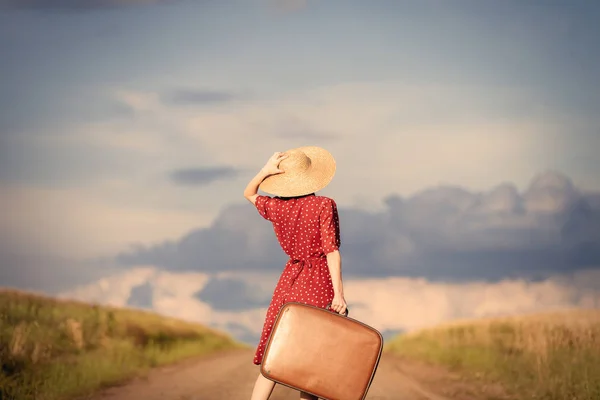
x=316, y=177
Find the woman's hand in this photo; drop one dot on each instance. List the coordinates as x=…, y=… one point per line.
x=339, y=304
x=272, y=166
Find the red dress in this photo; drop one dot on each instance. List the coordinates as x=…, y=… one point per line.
x=307, y=228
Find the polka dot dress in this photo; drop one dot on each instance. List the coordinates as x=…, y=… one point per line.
x=307, y=228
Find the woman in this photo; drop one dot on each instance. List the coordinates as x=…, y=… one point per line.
x=307, y=228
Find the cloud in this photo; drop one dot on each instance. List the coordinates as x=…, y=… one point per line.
x=141, y=296
x=440, y=233
x=203, y=176
x=417, y=303
x=198, y=97
x=241, y=295
x=388, y=304
x=75, y=4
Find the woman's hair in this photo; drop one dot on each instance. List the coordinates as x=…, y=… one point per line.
x=294, y=197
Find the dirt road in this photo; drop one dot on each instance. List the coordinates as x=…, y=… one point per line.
x=230, y=376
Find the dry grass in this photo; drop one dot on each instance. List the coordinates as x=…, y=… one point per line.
x=51, y=349
x=551, y=356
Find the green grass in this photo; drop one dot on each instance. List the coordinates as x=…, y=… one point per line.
x=54, y=349
x=552, y=356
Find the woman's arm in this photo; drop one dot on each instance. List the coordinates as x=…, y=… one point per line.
x=270, y=168
x=251, y=191
x=334, y=262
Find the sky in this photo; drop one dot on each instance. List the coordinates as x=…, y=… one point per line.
x=465, y=135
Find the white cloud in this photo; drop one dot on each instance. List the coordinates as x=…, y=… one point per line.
x=386, y=304
x=408, y=304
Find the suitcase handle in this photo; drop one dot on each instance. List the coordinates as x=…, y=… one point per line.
x=328, y=306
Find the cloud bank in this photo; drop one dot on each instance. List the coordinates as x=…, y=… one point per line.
x=441, y=233
x=388, y=304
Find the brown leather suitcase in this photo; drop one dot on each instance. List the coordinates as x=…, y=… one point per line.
x=318, y=351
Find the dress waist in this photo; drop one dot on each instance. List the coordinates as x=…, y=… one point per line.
x=298, y=265
x=307, y=260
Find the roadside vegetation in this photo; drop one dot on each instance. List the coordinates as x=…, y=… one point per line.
x=551, y=356
x=55, y=349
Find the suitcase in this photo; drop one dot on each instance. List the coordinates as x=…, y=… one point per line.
x=321, y=352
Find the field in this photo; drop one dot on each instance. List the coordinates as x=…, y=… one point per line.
x=551, y=356
x=51, y=349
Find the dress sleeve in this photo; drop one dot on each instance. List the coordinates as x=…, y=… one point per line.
x=329, y=224
x=264, y=205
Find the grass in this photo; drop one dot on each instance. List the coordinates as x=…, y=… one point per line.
x=551, y=356
x=57, y=349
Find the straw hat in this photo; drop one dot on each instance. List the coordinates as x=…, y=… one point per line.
x=307, y=170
